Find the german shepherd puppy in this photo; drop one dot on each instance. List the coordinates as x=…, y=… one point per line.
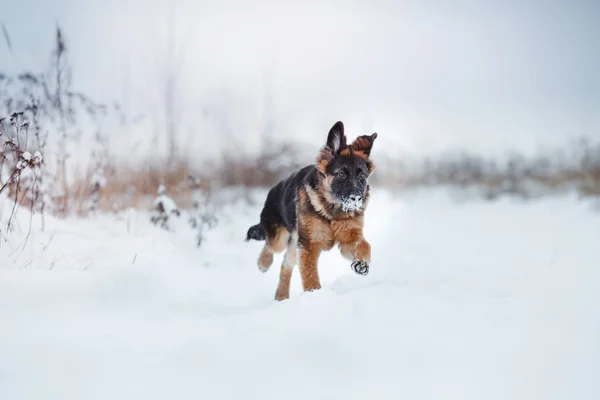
x=317, y=207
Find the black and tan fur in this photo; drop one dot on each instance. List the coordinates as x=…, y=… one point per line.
x=317, y=207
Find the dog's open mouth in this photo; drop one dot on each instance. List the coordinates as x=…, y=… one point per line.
x=352, y=203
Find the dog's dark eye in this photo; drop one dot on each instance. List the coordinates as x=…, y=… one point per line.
x=341, y=175
x=362, y=175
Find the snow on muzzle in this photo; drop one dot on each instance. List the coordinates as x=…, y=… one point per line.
x=352, y=202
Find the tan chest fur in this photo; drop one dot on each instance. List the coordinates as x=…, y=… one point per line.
x=329, y=233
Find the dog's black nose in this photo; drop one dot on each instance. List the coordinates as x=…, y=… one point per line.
x=355, y=197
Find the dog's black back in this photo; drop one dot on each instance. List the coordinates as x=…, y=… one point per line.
x=279, y=209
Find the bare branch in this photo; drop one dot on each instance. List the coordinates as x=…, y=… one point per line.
x=6, y=36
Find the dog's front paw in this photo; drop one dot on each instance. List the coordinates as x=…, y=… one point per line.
x=360, y=267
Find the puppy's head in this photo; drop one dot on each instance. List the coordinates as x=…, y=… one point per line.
x=346, y=168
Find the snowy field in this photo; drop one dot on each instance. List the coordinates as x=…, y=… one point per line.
x=465, y=300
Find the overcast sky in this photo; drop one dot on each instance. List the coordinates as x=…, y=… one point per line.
x=426, y=75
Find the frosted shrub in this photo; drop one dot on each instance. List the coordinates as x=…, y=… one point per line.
x=203, y=214
x=19, y=169
x=98, y=182
x=164, y=209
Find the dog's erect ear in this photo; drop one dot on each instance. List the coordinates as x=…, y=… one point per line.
x=336, y=139
x=363, y=144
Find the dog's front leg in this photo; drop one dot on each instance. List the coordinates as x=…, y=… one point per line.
x=357, y=249
x=309, y=271
x=362, y=257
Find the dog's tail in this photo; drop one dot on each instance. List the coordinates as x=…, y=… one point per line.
x=256, y=232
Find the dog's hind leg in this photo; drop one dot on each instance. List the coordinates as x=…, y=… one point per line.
x=309, y=271
x=265, y=259
x=275, y=243
x=287, y=267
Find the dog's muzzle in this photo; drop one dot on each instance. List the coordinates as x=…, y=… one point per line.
x=352, y=203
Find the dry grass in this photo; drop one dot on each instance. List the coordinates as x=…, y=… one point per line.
x=136, y=185
x=129, y=186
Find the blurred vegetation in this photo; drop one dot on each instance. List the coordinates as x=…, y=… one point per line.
x=41, y=113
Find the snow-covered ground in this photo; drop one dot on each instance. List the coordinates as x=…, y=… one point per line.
x=463, y=301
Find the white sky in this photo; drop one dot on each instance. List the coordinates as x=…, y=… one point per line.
x=487, y=76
